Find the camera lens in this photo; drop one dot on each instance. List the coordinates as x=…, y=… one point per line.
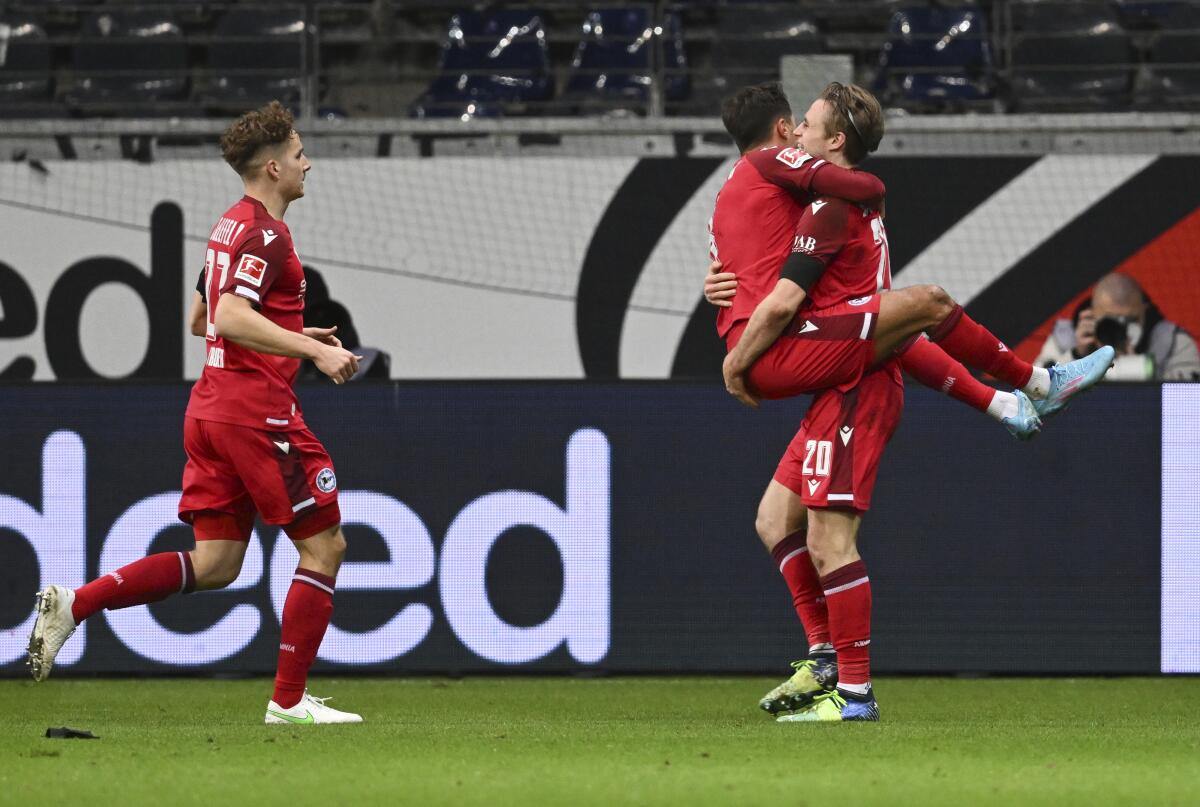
x=1112, y=331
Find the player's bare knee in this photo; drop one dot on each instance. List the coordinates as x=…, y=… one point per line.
x=324, y=551
x=769, y=529
x=938, y=304
x=337, y=546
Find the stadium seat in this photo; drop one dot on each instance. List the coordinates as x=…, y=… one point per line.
x=748, y=44
x=935, y=59
x=614, y=64
x=25, y=67
x=128, y=61
x=491, y=64
x=1147, y=14
x=1174, y=79
x=1070, y=56
x=257, y=56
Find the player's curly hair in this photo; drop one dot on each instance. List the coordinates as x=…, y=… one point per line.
x=269, y=125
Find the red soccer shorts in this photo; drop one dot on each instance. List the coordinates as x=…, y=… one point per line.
x=822, y=348
x=234, y=471
x=834, y=458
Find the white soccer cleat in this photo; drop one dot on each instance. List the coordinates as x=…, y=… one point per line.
x=53, y=626
x=310, y=709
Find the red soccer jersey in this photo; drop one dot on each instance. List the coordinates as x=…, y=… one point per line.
x=251, y=254
x=758, y=208
x=851, y=243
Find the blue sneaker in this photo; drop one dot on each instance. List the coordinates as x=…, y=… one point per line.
x=835, y=707
x=1026, y=424
x=1068, y=380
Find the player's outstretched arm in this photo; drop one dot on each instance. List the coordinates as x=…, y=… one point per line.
x=853, y=186
x=804, y=176
x=237, y=321
x=768, y=321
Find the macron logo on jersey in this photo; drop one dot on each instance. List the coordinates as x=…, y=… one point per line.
x=251, y=270
x=269, y=236
x=816, y=207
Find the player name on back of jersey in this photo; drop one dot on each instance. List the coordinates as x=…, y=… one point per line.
x=227, y=231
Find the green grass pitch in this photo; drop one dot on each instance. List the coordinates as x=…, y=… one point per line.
x=534, y=741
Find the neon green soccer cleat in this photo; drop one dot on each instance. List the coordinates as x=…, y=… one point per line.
x=812, y=677
x=833, y=707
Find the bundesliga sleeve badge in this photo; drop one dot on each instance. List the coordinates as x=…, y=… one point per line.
x=251, y=269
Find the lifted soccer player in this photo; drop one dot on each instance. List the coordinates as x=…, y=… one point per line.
x=761, y=122
x=840, y=345
x=248, y=449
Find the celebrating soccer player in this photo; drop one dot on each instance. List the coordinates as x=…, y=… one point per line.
x=814, y=314
x=248, y=449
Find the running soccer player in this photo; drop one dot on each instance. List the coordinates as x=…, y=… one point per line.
x=830, y=466
x=248, y=449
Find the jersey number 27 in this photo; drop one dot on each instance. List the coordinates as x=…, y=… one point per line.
x=214, y=259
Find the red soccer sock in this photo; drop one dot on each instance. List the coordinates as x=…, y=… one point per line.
x=933, y=367
x=796, y=567
x=848, y=597
x=150, y=579
x=976, y=346
x=306, y=613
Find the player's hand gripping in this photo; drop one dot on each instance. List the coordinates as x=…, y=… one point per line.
x=324, y=335
x=719, y=287
x=337, y=363
x=735, y=384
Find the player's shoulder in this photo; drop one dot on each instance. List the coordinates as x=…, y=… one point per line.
x=266, y=236
x=781, y=158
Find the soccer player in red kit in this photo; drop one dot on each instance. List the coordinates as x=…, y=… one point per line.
x=839, y=261
x=248, y=449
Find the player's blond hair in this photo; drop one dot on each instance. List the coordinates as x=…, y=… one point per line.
x=856, y=113
x=270, y=125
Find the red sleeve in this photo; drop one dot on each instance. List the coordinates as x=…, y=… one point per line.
x=828, y=179
x=790, y=169
x=823, y=230
x=256, y=263
x=801, y=174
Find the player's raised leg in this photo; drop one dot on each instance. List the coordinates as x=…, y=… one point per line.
x=832, y=542
x=906, y=312
x=781, y=524
x=306, y=614
x=936, y=369
x=212, y=564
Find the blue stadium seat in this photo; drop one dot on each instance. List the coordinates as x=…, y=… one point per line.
x=936, y=58
x=257, y=56
x=128, y=61
x=1174, y=78
x=491, y=64
x=614, y=62
x=1070, y=56
x=25, y=66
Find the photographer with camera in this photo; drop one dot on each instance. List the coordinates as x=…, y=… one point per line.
x=1149, y=347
